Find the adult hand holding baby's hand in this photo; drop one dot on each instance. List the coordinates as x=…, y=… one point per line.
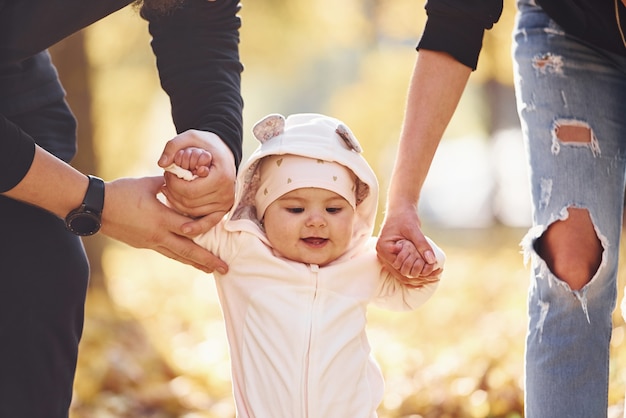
x=211, y=195
x=405, y=251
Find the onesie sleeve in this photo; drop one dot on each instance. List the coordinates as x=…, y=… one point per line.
x=222, y=243
x=457, y=27
x=394, y=296
x=197, y=54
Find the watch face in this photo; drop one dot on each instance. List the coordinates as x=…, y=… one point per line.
x=83, y=223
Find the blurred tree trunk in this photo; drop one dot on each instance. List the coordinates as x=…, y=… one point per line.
x=70, y=58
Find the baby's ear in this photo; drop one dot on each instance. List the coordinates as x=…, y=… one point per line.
x=346, y=134
x=269, y=127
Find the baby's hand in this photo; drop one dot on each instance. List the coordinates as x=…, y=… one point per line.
x=410, y=264
x=193, y=159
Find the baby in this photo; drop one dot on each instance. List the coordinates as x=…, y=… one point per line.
x=302, y=271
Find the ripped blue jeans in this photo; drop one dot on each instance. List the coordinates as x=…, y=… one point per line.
x=565, y=86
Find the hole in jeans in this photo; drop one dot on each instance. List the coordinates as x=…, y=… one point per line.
x=571, y=248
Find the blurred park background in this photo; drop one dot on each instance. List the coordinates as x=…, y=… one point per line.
x=154, y=343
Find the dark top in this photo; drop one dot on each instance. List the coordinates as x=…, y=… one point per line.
x=196, y=48
x=457, y=26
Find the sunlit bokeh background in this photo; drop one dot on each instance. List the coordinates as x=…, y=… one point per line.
x=154, y=343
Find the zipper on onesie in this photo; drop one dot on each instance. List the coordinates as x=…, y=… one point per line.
x=314, y=270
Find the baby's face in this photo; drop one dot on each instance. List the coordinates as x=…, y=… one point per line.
x=310, y=225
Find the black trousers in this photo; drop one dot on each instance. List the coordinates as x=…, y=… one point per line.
x=43, y=283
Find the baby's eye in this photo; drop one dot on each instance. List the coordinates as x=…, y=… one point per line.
x=295, y=210
x=333, y=210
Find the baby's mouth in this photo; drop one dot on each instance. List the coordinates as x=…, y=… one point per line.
x=315, y=241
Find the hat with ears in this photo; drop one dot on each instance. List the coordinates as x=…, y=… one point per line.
x=304, y=150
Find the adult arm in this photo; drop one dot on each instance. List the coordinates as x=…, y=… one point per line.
x=196, y=47
x=131, y=212
x=436, y=86
x=28, y=173
x=448, y=52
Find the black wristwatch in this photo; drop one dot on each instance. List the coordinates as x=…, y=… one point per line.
x=86, y=219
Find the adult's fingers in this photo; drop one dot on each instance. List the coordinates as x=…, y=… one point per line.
x=133, y=215
x=186, y=251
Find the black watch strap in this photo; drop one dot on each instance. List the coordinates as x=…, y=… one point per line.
x=94, y=197
x=86, y=219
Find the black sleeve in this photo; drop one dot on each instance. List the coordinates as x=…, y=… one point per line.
x=457, y=27
x=32, y=109
x=29, y=27
x=197, y=52
x=18, y=151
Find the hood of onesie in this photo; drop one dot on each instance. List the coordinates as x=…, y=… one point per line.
x=317, y=137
